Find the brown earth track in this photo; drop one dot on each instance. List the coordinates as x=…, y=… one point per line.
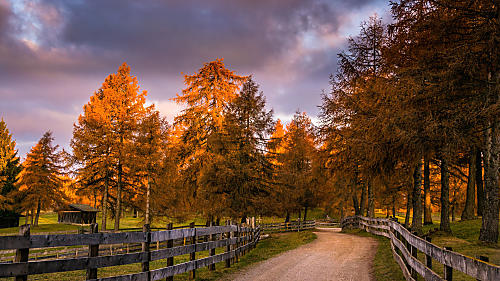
x=332, y=256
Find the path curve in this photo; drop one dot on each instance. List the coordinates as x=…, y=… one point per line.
x=332, y=256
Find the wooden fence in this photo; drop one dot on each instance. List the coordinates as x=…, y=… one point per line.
x=405, y=247
x=236, y=240
x=288, y=226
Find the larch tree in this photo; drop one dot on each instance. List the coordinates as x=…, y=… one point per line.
x=10, y=168
x=149, y=144
x=207, y=95
x=41, y=180
x=102, y=138
x=240, y=163
x=296, y=165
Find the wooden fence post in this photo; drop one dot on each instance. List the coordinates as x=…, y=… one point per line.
x=212, y=251
x=414, y=253
x=170, y=244
x=193, y=254
x=483, y=258
x=448, y=270
x=428, y=259
x=238, y=242
x=93, y=252
x=146, y=249
x=22, y=255
x=228, y=246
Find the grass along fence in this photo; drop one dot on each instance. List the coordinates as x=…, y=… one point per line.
x=237, y=240
x=405, y=247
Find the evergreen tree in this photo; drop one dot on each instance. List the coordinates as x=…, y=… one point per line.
x=41, y=180
x=240, y=171
x=295, y=170
x=149, y=154
x=9, y=169
x=103, y=138
x=207, y=96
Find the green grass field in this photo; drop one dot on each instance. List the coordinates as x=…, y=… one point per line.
x=48, y=222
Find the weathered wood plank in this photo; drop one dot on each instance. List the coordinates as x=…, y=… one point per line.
x=401, y=264
x=417, y=265
x=172, y=234
x=13, y=242
x=468, y=265
x=43, y=241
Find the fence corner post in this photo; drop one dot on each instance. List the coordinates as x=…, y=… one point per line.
x=22, y=255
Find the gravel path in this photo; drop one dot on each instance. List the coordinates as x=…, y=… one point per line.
x=332, y=256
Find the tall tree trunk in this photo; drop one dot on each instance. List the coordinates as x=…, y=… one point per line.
x=355, y=204
x=32, y=216
x=305, y=213
x=445, y=197
x=427, y=193
x=105, y=202
x=148, y=195
x=479, y=183
x=118, y=198
x=362, y=202
x=287, y=218
x=416, y=224
x=342, y=210
x=489, y=225
x=371, y=201
x=408, y=209
x=27, y=217
x=393, y=205
x=470, y=201
x=38, y=207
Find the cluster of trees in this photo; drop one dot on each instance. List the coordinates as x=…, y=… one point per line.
x=224, y=156
x=415, y=101
x=411, y=122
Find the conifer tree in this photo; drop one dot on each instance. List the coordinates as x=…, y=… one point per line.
x=102, y=138
x=240, y=170
x=149, y=143
x=41, y=180
x=207, y=95
x=9, y=169
x=296, y=164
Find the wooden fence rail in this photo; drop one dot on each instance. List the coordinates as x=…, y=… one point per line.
x=405, y=247
x=237, y=239
x=288, y=226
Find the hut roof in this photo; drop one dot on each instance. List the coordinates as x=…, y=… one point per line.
x=83, y=208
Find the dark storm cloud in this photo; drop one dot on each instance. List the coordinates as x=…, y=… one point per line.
x=55, y=53
x=175, y=35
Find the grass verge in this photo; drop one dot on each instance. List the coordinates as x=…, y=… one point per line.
x=384, y=265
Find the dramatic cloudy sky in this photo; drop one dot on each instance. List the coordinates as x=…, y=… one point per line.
x=55, y=53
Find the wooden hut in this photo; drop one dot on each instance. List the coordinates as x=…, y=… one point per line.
x=9, y=219
x=77, y=214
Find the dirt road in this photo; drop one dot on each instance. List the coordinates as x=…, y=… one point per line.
x=332, y=256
